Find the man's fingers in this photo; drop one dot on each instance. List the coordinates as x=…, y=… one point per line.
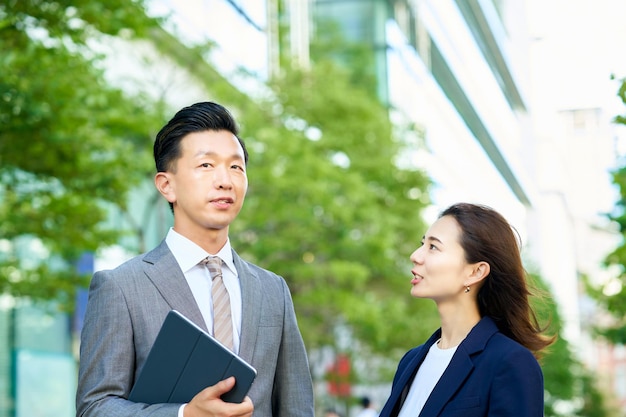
x=226, y=385
x=221, y=387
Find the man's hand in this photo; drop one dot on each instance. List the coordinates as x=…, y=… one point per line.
x=207, y=403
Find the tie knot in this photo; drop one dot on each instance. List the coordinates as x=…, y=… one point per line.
x=214, y=265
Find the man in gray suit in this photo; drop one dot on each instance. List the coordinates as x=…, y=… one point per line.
x=201, y=171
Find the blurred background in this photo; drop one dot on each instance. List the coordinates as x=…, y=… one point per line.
x=364, y=119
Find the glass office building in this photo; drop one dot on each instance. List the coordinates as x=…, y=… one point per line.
x=37, y=364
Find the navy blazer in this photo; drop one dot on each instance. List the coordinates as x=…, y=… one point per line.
x=489, y=375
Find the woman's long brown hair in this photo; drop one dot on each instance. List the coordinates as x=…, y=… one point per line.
x=504, y=295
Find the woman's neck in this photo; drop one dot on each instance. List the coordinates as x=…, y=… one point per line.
x=456, y=323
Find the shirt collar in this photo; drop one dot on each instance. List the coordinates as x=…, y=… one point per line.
x=188, y=253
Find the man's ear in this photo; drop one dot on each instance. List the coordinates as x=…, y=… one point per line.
x=480, y=271
x=164, y=185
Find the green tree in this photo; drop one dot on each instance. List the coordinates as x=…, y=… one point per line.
x=350, y=215
x=570, y=388
x=615, y=302
x=332, y=210
x=70, y=144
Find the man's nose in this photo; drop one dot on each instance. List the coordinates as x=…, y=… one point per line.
x=222, y=178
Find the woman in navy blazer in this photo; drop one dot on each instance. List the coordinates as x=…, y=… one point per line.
x=483, y=359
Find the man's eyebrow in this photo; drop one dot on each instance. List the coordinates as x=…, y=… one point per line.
x=212, y=153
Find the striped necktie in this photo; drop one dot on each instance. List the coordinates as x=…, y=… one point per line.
x=222, y=322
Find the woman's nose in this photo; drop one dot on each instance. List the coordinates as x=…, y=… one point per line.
x=416, y=256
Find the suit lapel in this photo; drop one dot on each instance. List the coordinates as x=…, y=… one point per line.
x=460, y=367
x=163, y=271
x=453, y=377
x=407, y=374
x=252, y=300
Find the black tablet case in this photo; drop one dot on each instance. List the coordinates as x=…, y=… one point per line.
x=183, y=361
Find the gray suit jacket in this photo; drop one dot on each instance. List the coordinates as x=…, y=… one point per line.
x=125, y=311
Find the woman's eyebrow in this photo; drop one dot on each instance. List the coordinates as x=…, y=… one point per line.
x=433, y=238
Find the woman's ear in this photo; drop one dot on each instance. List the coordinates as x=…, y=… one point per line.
x=480, y=271
x=164, y=185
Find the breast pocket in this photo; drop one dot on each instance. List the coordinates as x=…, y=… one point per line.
x=466, y=407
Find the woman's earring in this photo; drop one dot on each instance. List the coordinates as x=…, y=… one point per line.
x=467, y=289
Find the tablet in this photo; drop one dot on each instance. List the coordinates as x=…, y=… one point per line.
x=184, y=360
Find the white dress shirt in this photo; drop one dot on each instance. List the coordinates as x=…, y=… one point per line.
x=188, y=255
x=428, y=374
